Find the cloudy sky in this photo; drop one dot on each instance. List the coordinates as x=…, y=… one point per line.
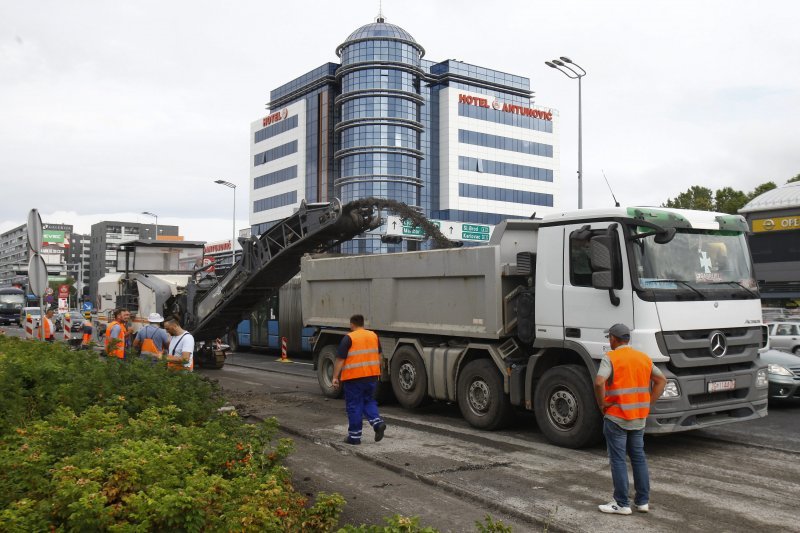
x=108, y=109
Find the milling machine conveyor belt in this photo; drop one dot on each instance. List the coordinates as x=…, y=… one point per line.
x=270, y=260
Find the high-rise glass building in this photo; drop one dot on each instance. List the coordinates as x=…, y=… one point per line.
x=456, y=141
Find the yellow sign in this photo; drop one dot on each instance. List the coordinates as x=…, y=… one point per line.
x=776, y=224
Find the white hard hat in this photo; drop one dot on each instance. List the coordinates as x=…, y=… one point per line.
x=155, y=317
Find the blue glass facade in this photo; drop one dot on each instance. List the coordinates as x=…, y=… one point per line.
x=372, y=129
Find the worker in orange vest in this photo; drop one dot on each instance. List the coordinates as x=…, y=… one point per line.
x=626, y=382
x=357, y=369
x=151, y=340
x=86, y=328
x=48, y=325
x=116, y=334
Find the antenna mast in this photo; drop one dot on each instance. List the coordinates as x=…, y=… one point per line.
x=380, y=18
x=616, y=203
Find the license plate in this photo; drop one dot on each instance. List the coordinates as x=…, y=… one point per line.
x=717, y=386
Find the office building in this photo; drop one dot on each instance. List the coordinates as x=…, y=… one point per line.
x=455, y=141
x=14, y=254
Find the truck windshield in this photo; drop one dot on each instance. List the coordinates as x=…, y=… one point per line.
x=17, y=300
x=698, y=264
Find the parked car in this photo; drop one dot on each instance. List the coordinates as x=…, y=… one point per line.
x=785, y=335
x=784, y=375
x=35, y=312
x=77, y=319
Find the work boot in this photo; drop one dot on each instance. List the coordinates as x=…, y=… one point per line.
x=379, y=429
x=348, y=440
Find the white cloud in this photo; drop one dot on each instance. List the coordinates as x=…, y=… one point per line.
x=111, y=108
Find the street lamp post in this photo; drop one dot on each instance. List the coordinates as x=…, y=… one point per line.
x=148, y=213
x=233, y=235
x=565, y=65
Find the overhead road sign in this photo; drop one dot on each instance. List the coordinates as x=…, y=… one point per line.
x=455, y=231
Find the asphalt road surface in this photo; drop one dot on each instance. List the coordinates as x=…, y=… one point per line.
x=738, y=477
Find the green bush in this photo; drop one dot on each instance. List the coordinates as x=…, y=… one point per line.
x=36, y=378
x=103, y=470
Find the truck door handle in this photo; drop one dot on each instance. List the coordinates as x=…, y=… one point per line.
x=575, y=333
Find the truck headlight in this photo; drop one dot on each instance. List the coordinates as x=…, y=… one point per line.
x=761, y=378
x=671, y=390
x=779, y=370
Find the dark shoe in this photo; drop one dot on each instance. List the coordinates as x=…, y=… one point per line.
x=379, y=429
x=348, y=440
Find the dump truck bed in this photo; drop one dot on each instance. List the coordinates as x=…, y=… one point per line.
x=453, y=292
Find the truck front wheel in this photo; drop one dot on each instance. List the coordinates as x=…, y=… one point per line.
x=409, y=380
x=327, y=357
x=565, y=408
x=481, y=398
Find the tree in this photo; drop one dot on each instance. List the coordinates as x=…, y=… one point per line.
x=729, y=200
x=761, y=189
x=794, y=179
x=696, y=197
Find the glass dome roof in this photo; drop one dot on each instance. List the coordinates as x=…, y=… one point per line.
x=378, y=30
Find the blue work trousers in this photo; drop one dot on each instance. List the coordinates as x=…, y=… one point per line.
x=621, y=442
x=359, y=399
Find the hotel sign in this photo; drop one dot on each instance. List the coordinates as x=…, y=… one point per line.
x=776, y=224
x=274, y=117
x=508, y=108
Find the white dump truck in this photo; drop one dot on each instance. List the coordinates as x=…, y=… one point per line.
x=520, y=323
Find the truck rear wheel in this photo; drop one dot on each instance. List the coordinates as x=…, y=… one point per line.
x=481, y=398
x=565, y=407
x=327, y=357
x=409, y=379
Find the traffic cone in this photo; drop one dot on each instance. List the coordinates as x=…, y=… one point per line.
x=284, y=352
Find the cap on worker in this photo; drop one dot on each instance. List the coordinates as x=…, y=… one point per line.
x=155, y=317
x=620, y=331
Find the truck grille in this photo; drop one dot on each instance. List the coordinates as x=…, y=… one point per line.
x=714, y=397
x=688, y=348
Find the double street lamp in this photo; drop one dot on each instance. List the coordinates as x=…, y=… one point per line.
x=574, y=71
x=148, y=213
x=233, y=239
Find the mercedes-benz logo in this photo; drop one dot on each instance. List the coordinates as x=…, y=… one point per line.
x=717, y=344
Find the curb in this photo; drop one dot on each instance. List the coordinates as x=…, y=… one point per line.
x=545, y=522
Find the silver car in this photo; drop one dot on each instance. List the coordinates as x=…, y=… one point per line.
x=785, y=336
x=784, y=375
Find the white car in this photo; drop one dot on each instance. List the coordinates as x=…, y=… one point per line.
x=785, y=336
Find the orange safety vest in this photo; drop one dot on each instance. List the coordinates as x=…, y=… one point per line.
x=148, y=346
x=172, y=365
x=119, y=350
x=629, y=391
x=87, y=337
x=46, y=325
x=364, y=356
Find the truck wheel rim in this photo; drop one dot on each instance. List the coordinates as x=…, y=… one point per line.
x=478, y=397
x=563, y=408
x=408, y=376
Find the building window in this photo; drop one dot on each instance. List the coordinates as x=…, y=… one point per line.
x=278, y=176
x=274, y=202
x=275, y=153
x=504, y=143
x=275, y=129
x=505, y=169
x=496, y=194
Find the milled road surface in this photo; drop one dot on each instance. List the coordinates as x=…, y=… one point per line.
x=739, y=477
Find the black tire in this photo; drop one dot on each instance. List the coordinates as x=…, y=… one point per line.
x=327, y=357
x=409, y=378
x=481, y=398
x=796, y=350
x=384, y=393
x=566, y=409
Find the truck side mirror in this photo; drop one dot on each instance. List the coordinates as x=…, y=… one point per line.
x=603, y=250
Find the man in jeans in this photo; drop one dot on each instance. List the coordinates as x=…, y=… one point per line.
x=623, y=392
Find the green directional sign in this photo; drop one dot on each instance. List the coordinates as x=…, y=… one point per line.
x=416, y=231
x=475, y=228
x=471, y=236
